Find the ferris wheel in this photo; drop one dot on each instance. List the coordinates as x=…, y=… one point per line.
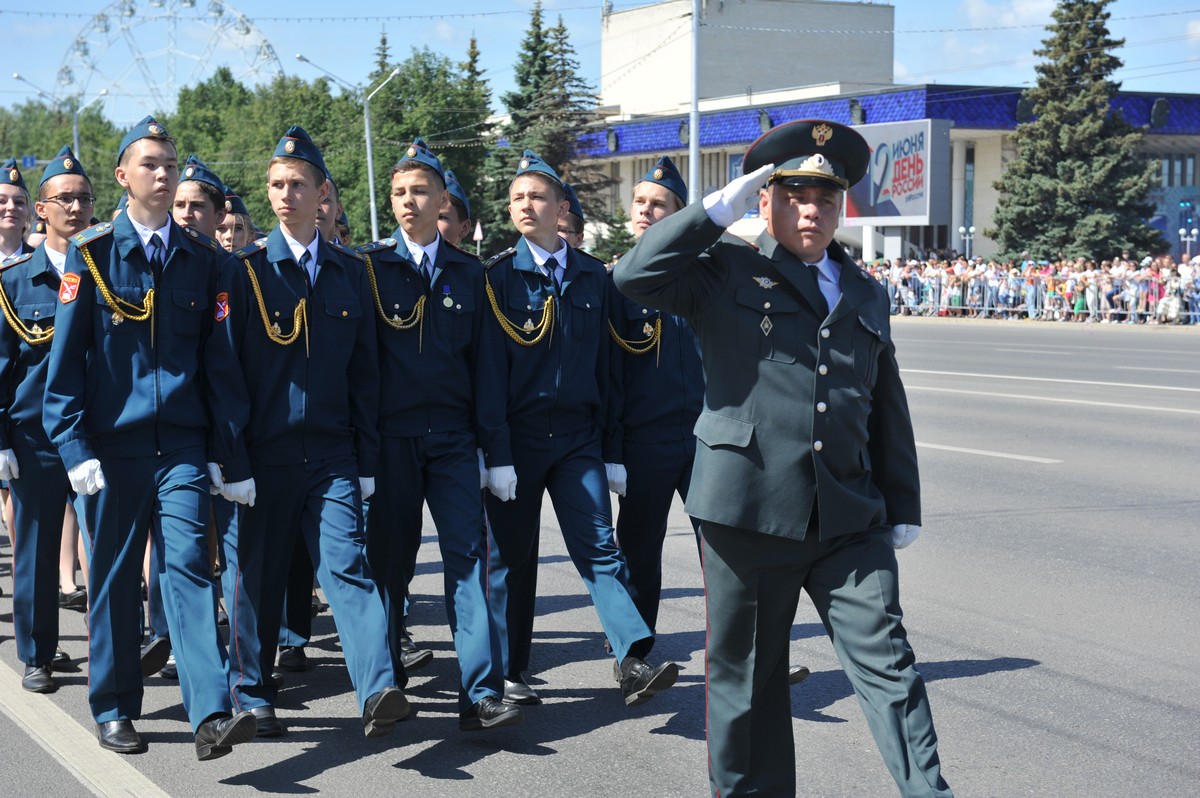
x=144, y=52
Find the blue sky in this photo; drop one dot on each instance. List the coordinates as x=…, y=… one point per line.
x=974, y=42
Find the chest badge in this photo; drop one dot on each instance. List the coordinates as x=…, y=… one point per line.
x=765, y=282
x=766, y=325
x=647, y=329
x=117, y=320
x=36, y=329
x=528, y=326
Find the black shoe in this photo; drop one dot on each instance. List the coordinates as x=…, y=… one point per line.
x=75, y=600
x=154, y=656
x=60, y=661
x=293, y=659
x=798, y=674
x=120, y=736
x=318, y=606
x=276, y=679
x=219, y=734
x=222, y=618
x=37, y=679
x=413, y=658
x=383, y=711
x=265, y=722
x=169, y=671
x=518, y=692
x=639, y=682
x=489, y=713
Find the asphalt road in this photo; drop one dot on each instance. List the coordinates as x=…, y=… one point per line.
x=1051, y=601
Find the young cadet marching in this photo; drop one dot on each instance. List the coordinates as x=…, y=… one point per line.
x=454, y=219
x=294, y=381
x=14, y=212
x=441, y=357
x=552, y=303
x=37, y=480
x=125, y=407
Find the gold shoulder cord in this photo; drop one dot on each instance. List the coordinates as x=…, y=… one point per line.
x=415, y=319
x=121, y=310
x=641, y=347
x=34, y=337
x=542, y=328
x=299, y=317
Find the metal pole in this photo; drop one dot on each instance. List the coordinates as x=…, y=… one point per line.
x=694, y=116
x=370, y=153
x=75, y=120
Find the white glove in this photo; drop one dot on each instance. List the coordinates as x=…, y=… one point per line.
x=214, y=476
x=367, y=486
x=483, y=472
x=740, y=196
x=86, y=478
x=240, y=492
x=8, y=464
x=502, y=482
x=904, y=534
x=616, y=477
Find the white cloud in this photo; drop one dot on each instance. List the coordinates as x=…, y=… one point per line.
x=1193, y=33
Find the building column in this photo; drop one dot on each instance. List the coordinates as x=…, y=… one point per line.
x=958, y=191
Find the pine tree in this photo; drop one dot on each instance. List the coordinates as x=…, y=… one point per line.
x=615, y=239
x=1078, y=186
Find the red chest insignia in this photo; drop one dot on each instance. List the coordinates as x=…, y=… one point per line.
x=69, y=288
x=222, y=310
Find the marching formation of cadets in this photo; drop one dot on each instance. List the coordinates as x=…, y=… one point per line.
x=248, y=412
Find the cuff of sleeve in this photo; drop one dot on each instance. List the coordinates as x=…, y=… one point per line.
x=74, y=452
x=235, y=470
x=498, y=455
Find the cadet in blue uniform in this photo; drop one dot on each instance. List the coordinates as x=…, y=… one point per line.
x=37, y=479
x=552, y=303
x=806, y=469
x=14, y=212
x=442, y=398
x=454, y=220
x=125, y=407
x=294, y=381
x=235, y=230
x=570, y=226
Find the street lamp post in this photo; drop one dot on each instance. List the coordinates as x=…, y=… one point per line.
x=1187, y=238
x=366, y=133
x=75, y=119
x=968, y=235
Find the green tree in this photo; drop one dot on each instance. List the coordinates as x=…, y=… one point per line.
x=1078, y=186
x=615, y=238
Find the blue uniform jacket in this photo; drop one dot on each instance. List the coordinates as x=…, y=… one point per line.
x=121, y=387
x=31, y=285
x=660, y=392
x=444, y=373
x=314, y=399
x=561, y=384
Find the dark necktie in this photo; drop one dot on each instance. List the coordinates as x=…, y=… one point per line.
x=305, y=260
x=426, y=272
x=816, y=273
x=156, y=256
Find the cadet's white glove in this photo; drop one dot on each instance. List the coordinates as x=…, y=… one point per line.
x=367, y=486
x=616, y=477
x=240, y=492
x=8, y=464
x=904, y=534
x=483, y=471
x=502, y=482
x=740, y=196
x=214, y=476
x=86, y=478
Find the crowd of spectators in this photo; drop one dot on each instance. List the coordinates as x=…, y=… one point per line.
x=1119, y=291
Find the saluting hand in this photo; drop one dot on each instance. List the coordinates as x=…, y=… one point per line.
x=739, y=197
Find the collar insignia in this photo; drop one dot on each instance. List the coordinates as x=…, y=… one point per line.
x=765, y=282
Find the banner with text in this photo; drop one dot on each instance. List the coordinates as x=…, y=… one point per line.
x=898, y=189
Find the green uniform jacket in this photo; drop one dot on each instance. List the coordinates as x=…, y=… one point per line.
x=797, y=405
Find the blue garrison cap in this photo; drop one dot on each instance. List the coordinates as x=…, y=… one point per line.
x=573, y=201
x=666, y=174
x=195, y=169
x=148, y=128
x=456, y=190
x=530, y=162
x=10, y=175
x=419, y=151
x=343, y=219
x=296, y=143
x=65, y=163
x=233, y=203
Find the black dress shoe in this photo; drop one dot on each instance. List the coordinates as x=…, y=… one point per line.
x=318, y=606
x=60, y=661
x=489, y=713
x=120, y=736
x=219, y=734
x=37, y=679
x=413, y=658
x=293, y=659
x=75, y=600
x=265, y=722
x=518, y=692
x=798, y=674
x=383, y=711
x=276, y=679
x=640, y=682
x=154, y=656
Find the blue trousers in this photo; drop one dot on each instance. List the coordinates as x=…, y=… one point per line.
x=570, y=468
x=441, y=469
x=167, y=495
x=39, y=500
x=318, y=505
x=296, y=627
x=656, y=472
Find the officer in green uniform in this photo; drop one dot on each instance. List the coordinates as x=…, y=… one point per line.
x=806, y=468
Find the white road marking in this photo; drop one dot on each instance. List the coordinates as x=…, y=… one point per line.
x=102, y=772
x=1118, y=405
x=1051, y=379
x=1035, y=352
x=985, y=453
x=1147, y=368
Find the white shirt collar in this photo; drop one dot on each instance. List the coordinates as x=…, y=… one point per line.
x=298, y=249
x=416, y=250
x=144, y=234
x=540, y=256
x=58, y=260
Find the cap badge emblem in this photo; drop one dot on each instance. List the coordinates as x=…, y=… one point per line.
x=821, y=134
x=289, y=147
x=658, y=174
x=68, y=164
x=155, y=130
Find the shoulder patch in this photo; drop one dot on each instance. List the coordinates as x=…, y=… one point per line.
x=499, y=256
x=15, y=259
x=68, y=289
x=251, y=248
x=201, y=238
x=377, y=246
x=92, y=233
x=343, y=249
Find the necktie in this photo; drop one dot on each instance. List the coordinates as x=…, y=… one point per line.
x=426, y=272
x=816, y=273
x=305, y=262
x=156, y=256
